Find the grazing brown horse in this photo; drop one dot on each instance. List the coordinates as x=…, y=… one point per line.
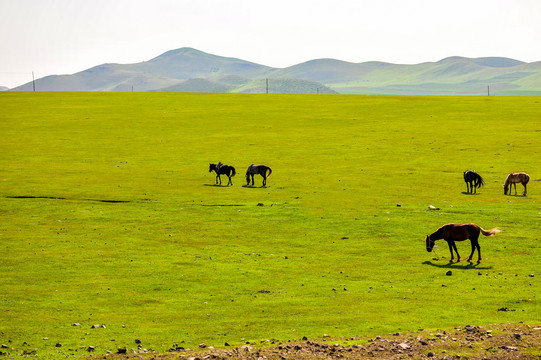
x=459, y=232
x=257, y=169
x=513, y=179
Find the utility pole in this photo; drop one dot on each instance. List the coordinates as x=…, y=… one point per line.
x=33, y=81
x=267, y=85
x=488, y=90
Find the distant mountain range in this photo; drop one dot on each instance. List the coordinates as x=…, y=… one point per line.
x=191, y=70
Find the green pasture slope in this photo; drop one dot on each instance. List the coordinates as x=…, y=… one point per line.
x=108, y=216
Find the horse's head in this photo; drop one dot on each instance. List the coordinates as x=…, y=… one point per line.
x=212, y=167
x=429, y=243
x=247, y=179
x=505, y=188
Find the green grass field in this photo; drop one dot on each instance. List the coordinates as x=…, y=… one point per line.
x=108, y=216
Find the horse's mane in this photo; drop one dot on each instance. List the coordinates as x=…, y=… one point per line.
x=438, y=234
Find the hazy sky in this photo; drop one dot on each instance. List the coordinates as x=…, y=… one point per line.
x=67, y=36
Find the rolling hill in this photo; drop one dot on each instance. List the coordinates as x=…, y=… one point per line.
x=191, y=70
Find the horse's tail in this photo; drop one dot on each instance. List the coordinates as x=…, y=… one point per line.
x=480, y=181
x=493, y=231
x=233, y=172
x=270, y=171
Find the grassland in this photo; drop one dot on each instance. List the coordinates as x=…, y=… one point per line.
x=175, y=259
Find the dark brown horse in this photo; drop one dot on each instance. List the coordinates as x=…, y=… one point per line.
x=513, y=179
x=257, y=169
x=459, y=232
x=221, y=169
x=473, y=181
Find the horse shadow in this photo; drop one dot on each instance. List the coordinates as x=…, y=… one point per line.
x=254, y=187
x=464, y=266
x=467, y=193
x=216, y=185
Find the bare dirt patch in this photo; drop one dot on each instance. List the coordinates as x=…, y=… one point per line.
x=510, y=341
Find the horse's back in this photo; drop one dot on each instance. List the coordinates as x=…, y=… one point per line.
x=459, y=232
x=471, y=175
x=520, y=177
x=258, y=168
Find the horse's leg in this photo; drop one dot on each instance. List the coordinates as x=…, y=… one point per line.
x=524, y=189
x=252, y=179
x=264, y=179
x=472, y=249
x=475, y=245
x=451, y=244
x=457, y=254
x=229, y=182
x=515, y=188
x=217, y=177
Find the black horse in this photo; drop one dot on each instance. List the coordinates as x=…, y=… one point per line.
x=473, y=181
x=255, y=170
x=221, y=169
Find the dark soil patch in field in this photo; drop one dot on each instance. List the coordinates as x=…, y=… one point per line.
x=471, y=342
x=63, y=198
x=35, y=197
x=218, y=205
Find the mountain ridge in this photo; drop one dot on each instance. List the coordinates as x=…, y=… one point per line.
x=191, y=70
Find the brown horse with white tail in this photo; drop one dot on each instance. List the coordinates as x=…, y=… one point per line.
x=459, y=232
x=513, y=179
